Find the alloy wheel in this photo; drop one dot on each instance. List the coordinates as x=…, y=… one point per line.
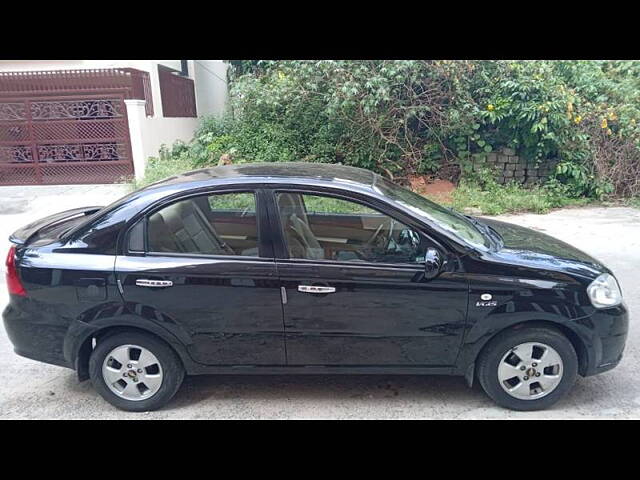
x=132, y=372
x=530, y=371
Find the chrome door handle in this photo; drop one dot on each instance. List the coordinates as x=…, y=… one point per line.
x=143, y=282
x=314, y=289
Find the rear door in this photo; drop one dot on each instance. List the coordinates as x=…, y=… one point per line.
x=356, y=294
x=203, y=264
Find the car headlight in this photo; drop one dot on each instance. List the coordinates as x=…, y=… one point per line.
x=604, y=291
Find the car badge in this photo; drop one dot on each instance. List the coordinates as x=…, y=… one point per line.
x=486, y=301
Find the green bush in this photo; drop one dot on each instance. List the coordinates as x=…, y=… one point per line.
x=406, y=117
x=634, y=202
x=495, y=199
x=166, y=165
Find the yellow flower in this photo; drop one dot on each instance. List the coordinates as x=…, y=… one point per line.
x=490, y=107
x=577, y=119
x=612, y=116
x=609, y=131
x=604, y=123
x=281, y=75
x=633, y=121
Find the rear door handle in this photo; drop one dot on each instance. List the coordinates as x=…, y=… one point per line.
x=315, y=289
x=143, y=282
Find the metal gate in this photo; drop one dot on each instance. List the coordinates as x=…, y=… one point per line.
x=68, y=126
x=64, y=139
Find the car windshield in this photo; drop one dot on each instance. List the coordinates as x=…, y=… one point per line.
x=457, y=224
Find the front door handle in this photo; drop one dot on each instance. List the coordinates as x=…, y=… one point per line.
x=143, y=282
x=315, y=289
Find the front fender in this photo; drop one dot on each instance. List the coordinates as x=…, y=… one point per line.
x=515, y=302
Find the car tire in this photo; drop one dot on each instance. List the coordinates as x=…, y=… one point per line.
x=527, y=393
x=164, y=372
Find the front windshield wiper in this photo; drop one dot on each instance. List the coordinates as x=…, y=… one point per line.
x=473, y=221
x=483, y=229
x=488, y=230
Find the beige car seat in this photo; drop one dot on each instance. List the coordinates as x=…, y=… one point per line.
x=300, y=238
x=183, y=228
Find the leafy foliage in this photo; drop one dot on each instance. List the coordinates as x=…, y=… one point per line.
x=433, y=117
x=495, y=199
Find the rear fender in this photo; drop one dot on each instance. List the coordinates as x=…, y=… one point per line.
x=78, y=341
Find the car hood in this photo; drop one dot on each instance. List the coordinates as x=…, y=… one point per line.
x=528, y=247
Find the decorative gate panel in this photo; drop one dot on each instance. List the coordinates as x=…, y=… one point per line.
x=59, y=140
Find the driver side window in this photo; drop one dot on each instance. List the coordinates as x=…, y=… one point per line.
x=319, y=227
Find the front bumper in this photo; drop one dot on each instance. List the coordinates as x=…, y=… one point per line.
x=604, y=334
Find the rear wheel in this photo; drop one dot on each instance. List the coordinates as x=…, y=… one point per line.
x=135, y=371
x=528, y=369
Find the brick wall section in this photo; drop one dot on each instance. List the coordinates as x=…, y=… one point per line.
x=510, y=167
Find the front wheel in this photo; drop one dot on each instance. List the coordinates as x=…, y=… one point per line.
x=135, y=371
x=528, y=369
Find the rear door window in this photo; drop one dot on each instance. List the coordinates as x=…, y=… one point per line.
x=215, y=224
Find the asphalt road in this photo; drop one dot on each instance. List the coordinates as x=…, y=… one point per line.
x=35, y=390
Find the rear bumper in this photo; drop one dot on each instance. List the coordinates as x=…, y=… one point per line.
x=604, y=334
x=35, y=340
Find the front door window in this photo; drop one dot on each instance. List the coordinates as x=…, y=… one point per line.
x=318, y=227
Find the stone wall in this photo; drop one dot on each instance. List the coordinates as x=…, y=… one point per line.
x=510, y=167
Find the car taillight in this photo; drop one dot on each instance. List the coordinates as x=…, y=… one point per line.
x=13, y=280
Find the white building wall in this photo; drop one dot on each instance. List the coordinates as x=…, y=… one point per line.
x=148, y=134
x=211, y=86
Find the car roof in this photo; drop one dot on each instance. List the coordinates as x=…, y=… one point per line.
x=293, y=172
x=338, y=176
x=279, y=173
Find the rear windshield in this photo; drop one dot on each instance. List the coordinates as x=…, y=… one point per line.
x=87, y=219
x=53, y=232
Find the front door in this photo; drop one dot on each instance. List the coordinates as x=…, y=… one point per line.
x=199, y=264
x=356, y=294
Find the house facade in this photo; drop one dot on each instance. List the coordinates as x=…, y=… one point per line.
x=98, y=121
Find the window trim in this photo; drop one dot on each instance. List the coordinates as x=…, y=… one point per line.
x=282, y=251
x=143, y=222
x=143, y=216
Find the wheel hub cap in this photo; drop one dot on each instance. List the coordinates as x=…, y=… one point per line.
x=132, y=372
x=530, y=371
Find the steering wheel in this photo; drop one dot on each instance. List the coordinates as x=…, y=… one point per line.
x=377, y=237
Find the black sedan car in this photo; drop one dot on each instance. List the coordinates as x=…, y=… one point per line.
x=305, y=269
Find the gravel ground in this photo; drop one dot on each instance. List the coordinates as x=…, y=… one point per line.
x=36, y=390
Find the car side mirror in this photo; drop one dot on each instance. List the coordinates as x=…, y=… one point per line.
x=432, y=263
x=408, y=237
